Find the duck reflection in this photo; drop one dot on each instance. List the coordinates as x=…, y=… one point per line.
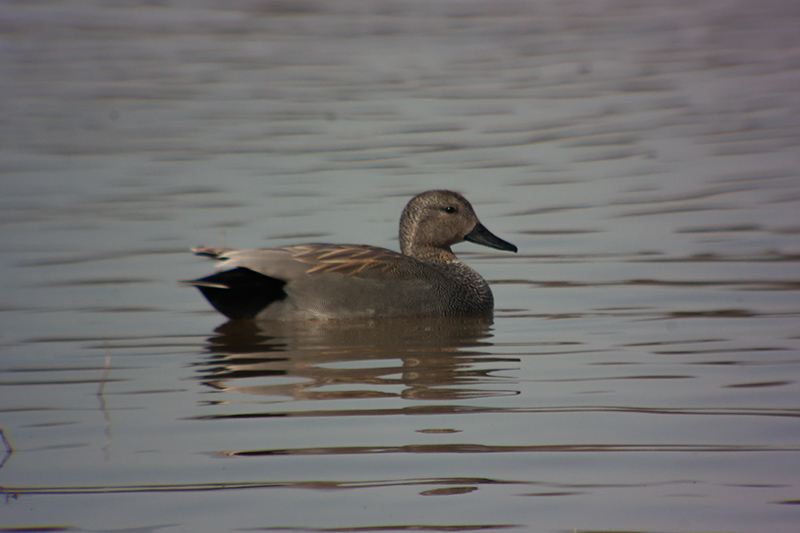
x=411, y=358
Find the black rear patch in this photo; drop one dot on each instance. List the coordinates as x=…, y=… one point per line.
x=242, y=292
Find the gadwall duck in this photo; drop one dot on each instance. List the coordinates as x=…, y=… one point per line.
x=334, y=281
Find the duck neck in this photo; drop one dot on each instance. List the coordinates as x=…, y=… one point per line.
x=429, y=254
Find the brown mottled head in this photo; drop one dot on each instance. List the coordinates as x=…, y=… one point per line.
x=435, y=220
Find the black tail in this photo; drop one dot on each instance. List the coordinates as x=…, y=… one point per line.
x=240, y=293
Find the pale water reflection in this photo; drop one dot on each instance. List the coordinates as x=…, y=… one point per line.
x=642, y=368
x=408, y=358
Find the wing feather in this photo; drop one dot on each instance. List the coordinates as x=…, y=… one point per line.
x=290, y=262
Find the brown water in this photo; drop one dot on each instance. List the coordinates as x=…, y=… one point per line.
x=641, y=372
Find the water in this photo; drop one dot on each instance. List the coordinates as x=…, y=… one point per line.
x=641, y=370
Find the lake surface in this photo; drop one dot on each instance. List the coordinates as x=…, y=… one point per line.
x=642, y=369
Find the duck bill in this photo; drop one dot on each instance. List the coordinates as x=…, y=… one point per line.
x=481, y=235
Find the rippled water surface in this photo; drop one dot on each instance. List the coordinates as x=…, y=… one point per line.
x=641, y=371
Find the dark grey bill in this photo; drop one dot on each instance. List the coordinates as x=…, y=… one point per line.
x=481, y=235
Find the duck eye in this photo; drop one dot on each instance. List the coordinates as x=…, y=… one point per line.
x=450, y=209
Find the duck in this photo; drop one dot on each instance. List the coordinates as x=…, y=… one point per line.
x=320, y=281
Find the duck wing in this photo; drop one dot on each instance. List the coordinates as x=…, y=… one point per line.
x=249, y=281
x=291, y=262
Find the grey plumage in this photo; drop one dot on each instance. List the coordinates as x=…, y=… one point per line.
x=324, y=281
